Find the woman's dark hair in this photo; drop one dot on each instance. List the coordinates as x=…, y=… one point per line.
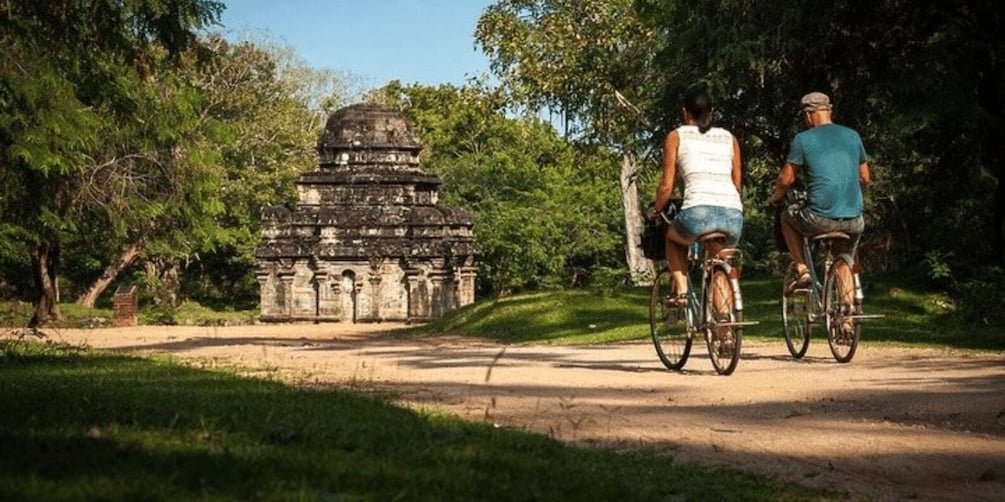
x=698, y=103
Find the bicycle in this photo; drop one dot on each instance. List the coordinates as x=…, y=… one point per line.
x=718, y=313
x=824, y=302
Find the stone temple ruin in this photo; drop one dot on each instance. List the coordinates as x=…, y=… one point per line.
x=367, y=241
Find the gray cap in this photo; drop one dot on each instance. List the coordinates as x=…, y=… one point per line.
x=815, y=101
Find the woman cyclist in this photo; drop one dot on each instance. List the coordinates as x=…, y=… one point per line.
x=705, y=160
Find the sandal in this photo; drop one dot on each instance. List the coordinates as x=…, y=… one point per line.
x=803, y=282
x=847, y=333
x=679, y=300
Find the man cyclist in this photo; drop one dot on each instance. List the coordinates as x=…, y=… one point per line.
x=832, y=160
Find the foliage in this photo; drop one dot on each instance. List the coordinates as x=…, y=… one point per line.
x=544, y=214
x=74, y=67
x=136, y=140
x=588, y=60
x=120, y=131
x=922, y=82
x=591, y=62
x=269, y=108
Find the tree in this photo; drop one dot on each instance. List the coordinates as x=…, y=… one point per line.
x=591, y=61
x=74, y=66
x=544, y=211
x=272, y=107
x=259, y=111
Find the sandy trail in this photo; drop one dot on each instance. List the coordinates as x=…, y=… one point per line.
x=895, y=423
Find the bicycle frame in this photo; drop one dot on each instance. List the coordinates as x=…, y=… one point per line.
x=718, y=318
x=699, y=260
x=825, y=301
x=817, y=284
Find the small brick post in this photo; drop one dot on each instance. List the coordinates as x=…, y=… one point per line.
x=125, y=306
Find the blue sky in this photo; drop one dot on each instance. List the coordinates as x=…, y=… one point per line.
x=415, y=41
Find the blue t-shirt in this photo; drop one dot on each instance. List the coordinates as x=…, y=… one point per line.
x=830, y=154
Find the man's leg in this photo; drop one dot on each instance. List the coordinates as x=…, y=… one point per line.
x=794, y=241
x=846, y=274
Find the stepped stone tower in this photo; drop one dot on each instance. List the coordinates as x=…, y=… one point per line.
x=366, y=242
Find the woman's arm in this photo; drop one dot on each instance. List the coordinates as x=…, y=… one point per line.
x=664, y=191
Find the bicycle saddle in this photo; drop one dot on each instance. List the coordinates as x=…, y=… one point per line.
x=712, y=236
x=724, y=253
x=841, y=236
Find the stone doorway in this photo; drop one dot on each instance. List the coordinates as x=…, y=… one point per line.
x=349, y=294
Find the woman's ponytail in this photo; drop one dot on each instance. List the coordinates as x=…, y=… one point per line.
x=698, y=103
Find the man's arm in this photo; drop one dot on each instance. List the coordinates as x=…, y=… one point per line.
x=737, y=166
x=863, y=175
x=785, y=180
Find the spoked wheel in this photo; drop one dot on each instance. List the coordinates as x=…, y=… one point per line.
x=843, y=328
x=724, y=337
x=797, y=308
x=668, y=324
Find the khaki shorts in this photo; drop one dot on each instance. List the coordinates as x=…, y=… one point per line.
x=808, y=223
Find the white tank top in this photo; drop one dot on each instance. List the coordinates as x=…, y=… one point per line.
x=705, y=164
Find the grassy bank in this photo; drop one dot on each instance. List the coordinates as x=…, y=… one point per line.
x=602, y=316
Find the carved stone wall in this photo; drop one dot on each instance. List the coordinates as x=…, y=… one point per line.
x=366, y=240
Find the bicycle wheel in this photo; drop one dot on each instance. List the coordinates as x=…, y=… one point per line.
x=669, y=324
x=843, y=328
x=723, y=338
x=796, y=310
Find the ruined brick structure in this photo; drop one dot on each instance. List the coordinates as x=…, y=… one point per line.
x=366, y=241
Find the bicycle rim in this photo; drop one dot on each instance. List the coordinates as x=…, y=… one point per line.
x=668, y=325
x=842, y=328
x=796, y=311
x=723, y=341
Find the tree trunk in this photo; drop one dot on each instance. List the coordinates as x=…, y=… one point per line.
x=162, y=279
x=44, y=277
x=640, y=268
x=126, y=258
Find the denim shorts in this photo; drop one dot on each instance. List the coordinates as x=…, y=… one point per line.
x=697, y=220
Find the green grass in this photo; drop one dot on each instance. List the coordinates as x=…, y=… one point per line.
x=583, y=316
x=573, y=316
x=90, y=425
x=911, y=316
x=14, y=314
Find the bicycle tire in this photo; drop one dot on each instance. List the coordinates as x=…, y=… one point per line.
x=843, y=329
x=669, y=326
x=796, y=311
x=724, y=341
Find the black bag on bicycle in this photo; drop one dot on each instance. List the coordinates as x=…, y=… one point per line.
x=653, y=236
x=654, y=239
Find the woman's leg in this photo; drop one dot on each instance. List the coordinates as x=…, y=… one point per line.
x=676, y=254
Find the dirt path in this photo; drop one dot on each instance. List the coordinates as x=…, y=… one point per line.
x=918, y=424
